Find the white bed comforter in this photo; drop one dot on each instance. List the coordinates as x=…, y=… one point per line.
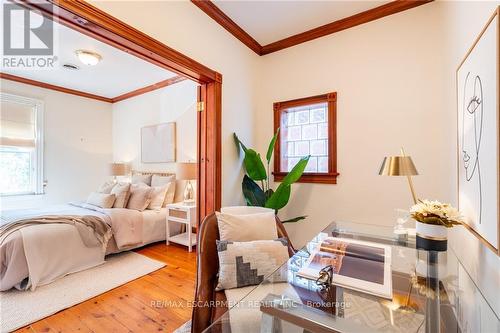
x=39, y=254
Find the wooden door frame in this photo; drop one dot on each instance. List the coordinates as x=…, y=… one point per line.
x=93, y=22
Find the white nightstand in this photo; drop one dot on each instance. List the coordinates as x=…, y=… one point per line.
x=180, y=213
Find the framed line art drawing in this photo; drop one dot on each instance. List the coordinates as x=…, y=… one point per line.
x=158, y=143
x=478, y=136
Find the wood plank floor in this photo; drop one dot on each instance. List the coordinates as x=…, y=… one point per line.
x=156, y=302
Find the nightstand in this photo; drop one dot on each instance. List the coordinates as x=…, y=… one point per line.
x=180, y=213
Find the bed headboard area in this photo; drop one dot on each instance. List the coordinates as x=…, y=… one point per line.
x=179, y=184
x=147, y=173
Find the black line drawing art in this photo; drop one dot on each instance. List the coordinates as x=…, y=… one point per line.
x=472, y=111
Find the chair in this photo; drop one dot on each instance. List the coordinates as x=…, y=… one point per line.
x=211, y=304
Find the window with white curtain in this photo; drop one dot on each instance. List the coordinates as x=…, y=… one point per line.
x=21, y=145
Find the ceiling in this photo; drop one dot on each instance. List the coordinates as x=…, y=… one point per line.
x=270, y=21
x=117, y=73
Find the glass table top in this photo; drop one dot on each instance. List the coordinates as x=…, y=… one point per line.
x=380, y=284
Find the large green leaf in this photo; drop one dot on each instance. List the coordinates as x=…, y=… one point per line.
x=280, y=197
x=253, y=165
x=239, y=143
x=271, y=146
x=296, y=172
x=254, y=196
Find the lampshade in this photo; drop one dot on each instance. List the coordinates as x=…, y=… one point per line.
x=186, y=171
x=119, y=169
x=398, y=166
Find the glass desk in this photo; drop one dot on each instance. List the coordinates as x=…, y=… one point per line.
x=424, y=293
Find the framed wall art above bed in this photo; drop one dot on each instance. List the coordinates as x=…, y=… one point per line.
x=478, y=135
x=158, y=143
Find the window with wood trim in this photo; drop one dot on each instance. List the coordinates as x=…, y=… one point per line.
x=308, y=126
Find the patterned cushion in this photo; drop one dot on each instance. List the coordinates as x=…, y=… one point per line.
x=249, y=263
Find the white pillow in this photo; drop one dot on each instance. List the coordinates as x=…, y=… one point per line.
x=158, y=196
x=106, y=187
x=122, y=192
x=102, y=200
x=164, y=180
x=141, y=179
x=245, y=228
x=140, y=197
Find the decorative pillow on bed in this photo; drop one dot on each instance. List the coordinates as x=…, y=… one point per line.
x=140, y=197
x=245, y=228
x=164, y=180
x=121, y=191
x=102, y=200
x=106, y=187
x=158, y=196
x=248, y=263
x=141, y=179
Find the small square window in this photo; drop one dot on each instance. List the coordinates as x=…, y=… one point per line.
x=307, y=127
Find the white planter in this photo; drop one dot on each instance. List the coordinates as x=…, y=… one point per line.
x=431, y=231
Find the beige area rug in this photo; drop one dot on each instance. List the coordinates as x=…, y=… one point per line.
x=20, y=308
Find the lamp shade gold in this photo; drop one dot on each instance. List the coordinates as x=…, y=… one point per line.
x=119, y=169
x=186, y=171
x=398, y=166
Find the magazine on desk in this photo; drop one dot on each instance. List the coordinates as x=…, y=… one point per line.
x=358, y=265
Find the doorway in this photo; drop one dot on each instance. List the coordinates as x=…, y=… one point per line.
x=95, y=23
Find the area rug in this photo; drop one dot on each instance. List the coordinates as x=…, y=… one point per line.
x=20, y=308
x=185, y=328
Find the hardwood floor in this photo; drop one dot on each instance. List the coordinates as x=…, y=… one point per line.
x=156, y=302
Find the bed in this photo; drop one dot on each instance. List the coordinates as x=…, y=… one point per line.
x=38, y=254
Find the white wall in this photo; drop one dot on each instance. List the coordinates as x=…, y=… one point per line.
x=175, y=103
x=78, y=145
x=395, y=79
x=184, y=27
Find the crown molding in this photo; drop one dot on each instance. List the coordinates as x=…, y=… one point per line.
x=209, y=8
x=376, y=13
x=155, y=86
x=54, y=87
x=133, y=93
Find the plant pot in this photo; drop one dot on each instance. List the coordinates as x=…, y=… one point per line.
x=431, y=237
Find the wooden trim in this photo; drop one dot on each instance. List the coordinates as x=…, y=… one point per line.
x=155, y=86
x=319, y=178
x=209, y=8
x=345, y=23
x=376, y=13
x=54, y=87
x=85, y=18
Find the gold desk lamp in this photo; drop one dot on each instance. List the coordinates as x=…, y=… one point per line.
x=400, y=166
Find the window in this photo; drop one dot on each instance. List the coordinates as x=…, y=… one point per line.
x=307, y=127
x=21, y=145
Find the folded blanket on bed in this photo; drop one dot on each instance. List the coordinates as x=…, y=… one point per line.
x=93, y=230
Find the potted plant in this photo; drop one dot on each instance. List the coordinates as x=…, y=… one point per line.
x=433, y=219
x=256, y=173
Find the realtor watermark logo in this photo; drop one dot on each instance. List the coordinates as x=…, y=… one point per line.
x=28, y=38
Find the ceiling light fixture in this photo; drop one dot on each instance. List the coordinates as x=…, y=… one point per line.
x=88, y=57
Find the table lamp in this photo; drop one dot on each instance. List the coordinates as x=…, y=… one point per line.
x=187, y=171
x=119, y=169
x=400, y=166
